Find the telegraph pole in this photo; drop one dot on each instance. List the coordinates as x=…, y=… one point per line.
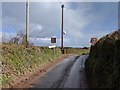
x=62, y=48
x=27, y=23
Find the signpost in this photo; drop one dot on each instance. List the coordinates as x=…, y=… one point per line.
x=93, y=41
x=53, y=40
x=52, y=46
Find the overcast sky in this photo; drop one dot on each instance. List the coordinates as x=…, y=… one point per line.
x=82, y=20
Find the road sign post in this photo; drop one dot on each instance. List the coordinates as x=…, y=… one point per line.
x=53, y=41
x=93, y=41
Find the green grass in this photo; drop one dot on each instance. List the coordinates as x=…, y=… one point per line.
x=5, y=79
x=17, y=60
x=79, y=51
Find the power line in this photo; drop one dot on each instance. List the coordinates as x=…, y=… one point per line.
x=60, y=2
x=77, y=18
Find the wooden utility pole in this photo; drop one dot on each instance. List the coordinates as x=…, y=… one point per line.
x=62, y=48
x=27, y=23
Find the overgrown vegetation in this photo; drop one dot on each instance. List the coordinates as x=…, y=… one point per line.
x=18, y=60
x=103, y=64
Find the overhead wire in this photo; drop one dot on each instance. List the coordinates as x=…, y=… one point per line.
x=75, y=17
x=60, y=2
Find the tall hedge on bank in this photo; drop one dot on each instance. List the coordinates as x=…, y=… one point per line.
x=103, y=64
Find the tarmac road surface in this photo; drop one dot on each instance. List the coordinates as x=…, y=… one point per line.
x=69, y=73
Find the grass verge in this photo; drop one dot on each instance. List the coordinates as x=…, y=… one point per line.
x=18, y=60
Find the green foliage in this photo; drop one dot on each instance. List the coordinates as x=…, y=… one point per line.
x=17, y=60
x=5, y=79
x=103, y=65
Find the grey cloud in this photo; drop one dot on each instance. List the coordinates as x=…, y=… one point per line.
x=14, y=10
x=46, y=15
x=45, y=20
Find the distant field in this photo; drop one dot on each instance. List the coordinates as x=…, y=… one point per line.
x=79, y=51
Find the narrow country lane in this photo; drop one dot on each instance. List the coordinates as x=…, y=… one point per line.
x=69, y=73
